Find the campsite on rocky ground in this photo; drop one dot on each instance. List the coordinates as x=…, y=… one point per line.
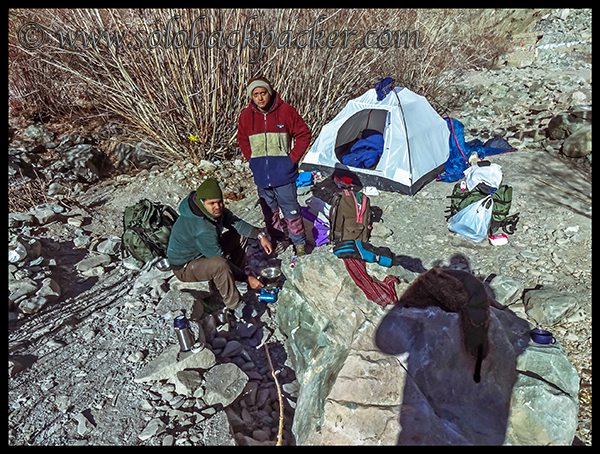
x=93, y=356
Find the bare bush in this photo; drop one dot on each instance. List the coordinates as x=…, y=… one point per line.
x=185, y=100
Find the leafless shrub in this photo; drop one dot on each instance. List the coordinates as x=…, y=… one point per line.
x=168, y=94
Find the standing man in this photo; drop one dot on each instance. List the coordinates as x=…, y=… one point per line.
x=273, y=137
x=199, y=250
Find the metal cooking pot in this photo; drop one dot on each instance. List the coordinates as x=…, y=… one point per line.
x=270, y=275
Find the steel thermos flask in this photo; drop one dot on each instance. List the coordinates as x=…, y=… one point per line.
x=184, y=334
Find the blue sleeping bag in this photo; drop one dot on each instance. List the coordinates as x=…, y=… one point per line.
x=460, y=151
x=366, y=151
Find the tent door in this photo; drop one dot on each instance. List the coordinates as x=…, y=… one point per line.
x=351, y=131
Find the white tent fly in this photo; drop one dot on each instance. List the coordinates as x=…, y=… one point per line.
x=415, y=141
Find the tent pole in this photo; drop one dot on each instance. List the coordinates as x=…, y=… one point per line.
x=410, y=173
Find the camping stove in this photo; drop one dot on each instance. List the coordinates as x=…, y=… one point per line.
x=269, y=277
x=268, y=295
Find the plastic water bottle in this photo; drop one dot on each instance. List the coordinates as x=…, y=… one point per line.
x=183, y=332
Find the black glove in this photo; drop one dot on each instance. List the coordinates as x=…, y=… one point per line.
x=360, y=250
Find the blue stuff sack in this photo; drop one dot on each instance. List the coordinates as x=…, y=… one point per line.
x=304, y=179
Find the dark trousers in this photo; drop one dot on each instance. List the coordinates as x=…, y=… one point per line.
x=285, y=198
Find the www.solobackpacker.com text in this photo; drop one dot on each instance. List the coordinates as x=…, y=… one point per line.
x=33, y=35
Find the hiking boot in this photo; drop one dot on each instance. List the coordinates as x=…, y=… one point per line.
x=300, y=250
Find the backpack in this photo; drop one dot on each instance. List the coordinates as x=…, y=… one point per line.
x=147, y=228
x=350, y=217
x=502, y=198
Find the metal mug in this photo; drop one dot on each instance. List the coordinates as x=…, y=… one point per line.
x=540, y=336
x=163, y=264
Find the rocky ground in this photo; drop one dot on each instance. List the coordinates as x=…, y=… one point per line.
x=86, y=326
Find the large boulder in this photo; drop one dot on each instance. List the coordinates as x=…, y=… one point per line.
x=322, y=311
x=224, y=383
x=566, y=123
x=396, y=375
x=548, y=306
x=579, y=143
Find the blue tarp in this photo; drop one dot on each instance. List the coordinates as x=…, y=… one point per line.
x=365, y=152
x=460, y=151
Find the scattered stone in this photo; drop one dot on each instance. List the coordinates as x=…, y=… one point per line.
x=49, y=290
x=21, y=288
x=81, y=242
x=376, y=392
x=219, y=342
x=207, y=166
x=548, y=307
x=84, y=159
x=57, y=188
x=39, y=133
x=564, y=125
x=261, y=435
x=175, y=302
x=75, y=221
x=136, y=357
x=188, y=382
x=223, y=384
x=231, y=349
x=381, y=231
x=18, y=219
x=44, y=215
x=84, y=426
x=166, y=366
x=579, y=143
x=93, y=261
x=154, y=427
x=131, y=263
x=133, y=157
x=107, y=327
x=111, y=246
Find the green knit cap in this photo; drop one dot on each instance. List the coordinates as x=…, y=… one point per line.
x=209, y=189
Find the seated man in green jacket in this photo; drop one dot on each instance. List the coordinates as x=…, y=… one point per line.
x=200, y=251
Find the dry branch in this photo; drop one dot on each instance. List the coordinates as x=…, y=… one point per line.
x=274, y=375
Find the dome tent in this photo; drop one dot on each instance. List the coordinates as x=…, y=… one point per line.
x=415, y=141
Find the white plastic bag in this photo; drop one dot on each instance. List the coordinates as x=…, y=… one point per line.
x=490, y=175
x=473, y=221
